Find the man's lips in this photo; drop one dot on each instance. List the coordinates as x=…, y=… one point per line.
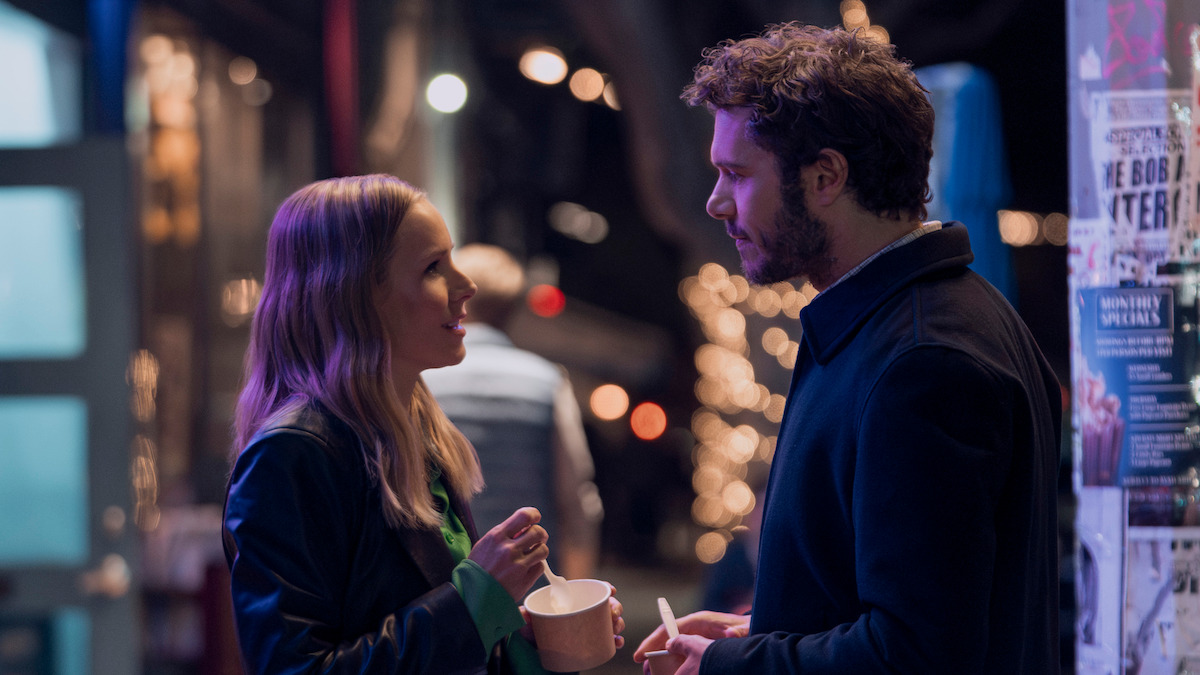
x=740, y=240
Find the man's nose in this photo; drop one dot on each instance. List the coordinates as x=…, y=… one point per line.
x=720, y=204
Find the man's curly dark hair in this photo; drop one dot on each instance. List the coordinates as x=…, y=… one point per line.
x=811, y=88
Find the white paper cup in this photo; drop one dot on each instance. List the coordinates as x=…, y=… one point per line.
x=663, y=662
x=580, y=638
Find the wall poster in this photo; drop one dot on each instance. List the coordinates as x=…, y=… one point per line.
x=1134, y=268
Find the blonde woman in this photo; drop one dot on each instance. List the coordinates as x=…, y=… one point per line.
x=347, y=529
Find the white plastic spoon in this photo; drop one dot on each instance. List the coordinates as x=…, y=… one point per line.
x=560, y=592
x=668, y=617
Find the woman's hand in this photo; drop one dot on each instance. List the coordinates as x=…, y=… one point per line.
x=513, y=551
x=614, y=606
x=618, y=620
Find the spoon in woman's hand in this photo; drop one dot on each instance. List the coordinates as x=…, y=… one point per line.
x=560, y=592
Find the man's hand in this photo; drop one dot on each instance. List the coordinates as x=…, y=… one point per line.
x=696, y=632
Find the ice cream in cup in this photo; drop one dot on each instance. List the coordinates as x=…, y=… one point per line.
x=576, y=634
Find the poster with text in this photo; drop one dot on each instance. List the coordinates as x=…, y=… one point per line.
x=1137, y=411
x=1139, y=149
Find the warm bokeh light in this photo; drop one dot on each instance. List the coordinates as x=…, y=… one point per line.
x=712, y=275
x=578, y=222
x=741, y=443
x=543, y=64
x=878, y=33
x=609, y=401
x=242, y=70
x=708, y=510
x=446, y=93
x=707, y=478
x=738, y=498
x=587, y=84
x=855, y=17
x=774, y=411
x=142, y=377
x=710, y=547
x=775, y=340
x=767, y=302
x=239, y=298
x=546, y=300
x=172, y=162
x=731, y=324
x=766, y=448
x=788, y=358
x=747, y=331
x=1055, y=227
x=144, y=477
x=793, y=301
x=1018, y=228
x=648, y=421
x=610, y=96
x=156, y=49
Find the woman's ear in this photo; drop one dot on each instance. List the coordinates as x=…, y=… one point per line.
x=826, y=177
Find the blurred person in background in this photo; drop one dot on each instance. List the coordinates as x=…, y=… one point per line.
x=910, y=520
x=348, y=533
x=520, y=413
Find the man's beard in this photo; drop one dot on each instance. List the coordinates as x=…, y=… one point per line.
x=798, y=247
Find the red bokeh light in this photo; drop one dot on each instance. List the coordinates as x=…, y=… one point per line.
x=546, y=300
x=648, y=421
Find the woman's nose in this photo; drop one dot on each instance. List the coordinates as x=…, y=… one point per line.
x=465, y=288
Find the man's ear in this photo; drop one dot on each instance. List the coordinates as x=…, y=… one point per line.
x=826, y=177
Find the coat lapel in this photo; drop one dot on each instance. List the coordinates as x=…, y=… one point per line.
x=429, y=550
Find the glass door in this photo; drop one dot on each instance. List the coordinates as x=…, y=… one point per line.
x=67, y=332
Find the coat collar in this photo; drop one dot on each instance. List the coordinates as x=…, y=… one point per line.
x=427, y=548
x=835, y=316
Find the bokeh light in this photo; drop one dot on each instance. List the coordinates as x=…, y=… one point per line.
x=738, y=498
x=242, y=70
x=609, y=401
x=648, y=421
x=1055, y=227
x=610, y=96
x=446, y=93
x=545, y=65
x=710, y=547
x=775, y=340
x=546, y=300
x=587, y=84
x=239, y=298
x=1018, y=228
x=743, y=373
x=578, y=222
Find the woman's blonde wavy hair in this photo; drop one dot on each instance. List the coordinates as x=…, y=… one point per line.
x=317, y=340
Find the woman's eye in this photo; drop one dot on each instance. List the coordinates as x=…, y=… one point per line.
x=433, y=268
